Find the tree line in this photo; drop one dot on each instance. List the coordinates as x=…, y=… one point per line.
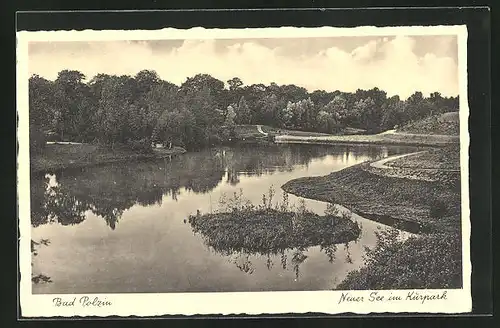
x=141, y=109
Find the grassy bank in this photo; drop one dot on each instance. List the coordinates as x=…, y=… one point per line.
x=382, y=139
x=411, y=264
x=433, y=202
x=447, y=123
x=447, y=158
x=366, y=190
x=251, y=131
x=60, y=156
x=297, y=133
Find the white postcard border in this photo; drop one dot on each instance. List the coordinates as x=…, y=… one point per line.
x=455, y=300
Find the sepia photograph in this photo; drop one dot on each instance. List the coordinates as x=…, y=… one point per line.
x=198, y=162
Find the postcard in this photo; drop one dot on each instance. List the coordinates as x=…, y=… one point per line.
x=243, y=171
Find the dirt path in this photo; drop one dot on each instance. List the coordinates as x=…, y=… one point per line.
x=380, y=164
x=63, y=143
x=259, y=128
x=388, y=132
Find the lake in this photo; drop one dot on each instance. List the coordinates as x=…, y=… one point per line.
x=122, y=228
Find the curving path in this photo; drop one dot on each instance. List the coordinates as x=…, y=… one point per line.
x=380, y=164
x=259, y=128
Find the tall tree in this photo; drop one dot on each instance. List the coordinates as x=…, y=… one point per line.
x=73, y=105
x=41, y=111
x=234, y=84
x=112, y=113
x=230, y=117
x=202, y=83
x=243, y=114
x=338, y=108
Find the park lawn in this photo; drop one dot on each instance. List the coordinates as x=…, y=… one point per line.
x=381, y=139
x=247, y=131
x=298, y=133
x=251, y=131
x=278, y=131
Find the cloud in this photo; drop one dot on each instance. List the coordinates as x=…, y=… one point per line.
x=391, y=64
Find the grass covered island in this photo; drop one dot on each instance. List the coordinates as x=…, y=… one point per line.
x=239, y=226
x=414, y=189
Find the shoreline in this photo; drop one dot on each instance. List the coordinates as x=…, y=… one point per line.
x=401, y=139
x=70, y=156
x=395, y=194
x=428, y=200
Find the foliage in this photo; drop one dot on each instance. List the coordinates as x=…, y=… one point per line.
x=114, y=110
x=434, y=124
x=396, y=264
x=243, y=115
x=39, y=278
x=438, y=209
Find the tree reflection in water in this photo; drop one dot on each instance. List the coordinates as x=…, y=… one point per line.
x=109, y=190
x=39, y=278
x=239, y=230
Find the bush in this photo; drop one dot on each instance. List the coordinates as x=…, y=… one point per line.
x=438, y=209
x=430, y=262
x=271, y=137
x=142, y=145
x=37, y=141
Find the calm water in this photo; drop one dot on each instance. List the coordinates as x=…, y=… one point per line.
x=121, y=228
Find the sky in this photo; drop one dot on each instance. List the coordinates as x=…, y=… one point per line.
x=399, y=65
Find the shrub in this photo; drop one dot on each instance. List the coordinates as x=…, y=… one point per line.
x=142, y=145
x=271, y=137
x=438, y=209
x=37, y=141
x=395, y=264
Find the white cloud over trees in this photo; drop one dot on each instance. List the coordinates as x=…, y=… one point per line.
x=391, y=64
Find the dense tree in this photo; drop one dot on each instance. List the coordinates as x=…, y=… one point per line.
x=41, y=111
x=202, y=83
x=230, y=117
x=327, y=122
x=137, y=110
x=367, y=115
x=234, y=84
x=72, y=105
x=243, y=114
x=338, y=108
x=393, y=113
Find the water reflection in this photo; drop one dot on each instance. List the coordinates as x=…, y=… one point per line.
x=40, y=277
x=119, y=228
x=239, y=229
x=108, y=191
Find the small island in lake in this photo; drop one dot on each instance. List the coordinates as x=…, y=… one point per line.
x=271, y=229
